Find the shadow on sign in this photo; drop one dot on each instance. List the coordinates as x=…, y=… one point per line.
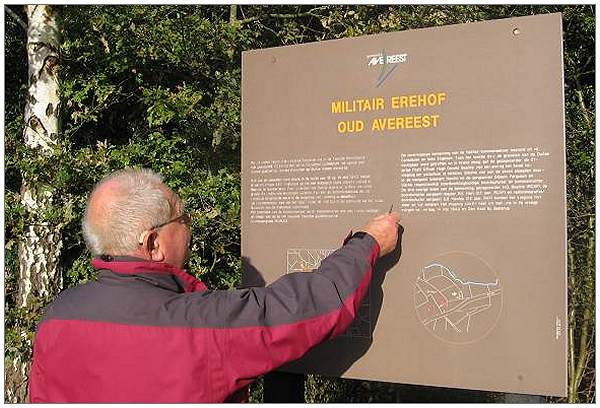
x=335, y=357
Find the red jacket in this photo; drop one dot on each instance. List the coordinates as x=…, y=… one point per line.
x=149, y=332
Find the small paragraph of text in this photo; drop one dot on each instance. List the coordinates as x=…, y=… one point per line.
x=472, y=180
x=310, y=188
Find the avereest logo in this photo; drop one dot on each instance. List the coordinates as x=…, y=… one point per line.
x=388, y=62
x=383, y=59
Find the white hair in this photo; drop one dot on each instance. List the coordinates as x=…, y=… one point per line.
x=139, y=202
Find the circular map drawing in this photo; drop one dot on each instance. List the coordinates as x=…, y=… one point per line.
x=458, y=297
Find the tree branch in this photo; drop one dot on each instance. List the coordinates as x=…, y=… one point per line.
x=587, y=324
x=584, y=111
x=233, y=14
x=578, y=91
x=582, y=356
x=16, y=17
x=214, y=263
x=308, y=13
x=572, y=389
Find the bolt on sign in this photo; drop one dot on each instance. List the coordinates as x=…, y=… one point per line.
x=461, y=129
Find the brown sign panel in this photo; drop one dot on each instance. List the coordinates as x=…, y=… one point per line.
x=461, y=128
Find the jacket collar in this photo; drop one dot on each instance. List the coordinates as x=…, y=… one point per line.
x=129, y=265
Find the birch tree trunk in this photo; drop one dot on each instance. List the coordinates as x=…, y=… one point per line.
x=39, y=248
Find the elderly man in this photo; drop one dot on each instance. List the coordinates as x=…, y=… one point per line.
x=146, y=331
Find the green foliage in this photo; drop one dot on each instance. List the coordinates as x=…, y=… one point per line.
x=257, y=391
x=320, y=389
x=160, y=87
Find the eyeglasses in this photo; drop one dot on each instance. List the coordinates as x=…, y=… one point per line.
x=182, y=219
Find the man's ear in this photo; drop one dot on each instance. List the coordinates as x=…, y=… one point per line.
x=151, y=247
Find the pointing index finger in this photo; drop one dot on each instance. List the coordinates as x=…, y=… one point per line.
x=394, y=216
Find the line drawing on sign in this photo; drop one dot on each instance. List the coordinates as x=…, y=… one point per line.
x=446, y=302
x=457, y=278
x=308, y=260
x=305, y=260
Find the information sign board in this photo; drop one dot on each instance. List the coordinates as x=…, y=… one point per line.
x=461, y=129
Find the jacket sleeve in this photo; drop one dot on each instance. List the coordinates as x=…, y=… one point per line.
x=260, y=329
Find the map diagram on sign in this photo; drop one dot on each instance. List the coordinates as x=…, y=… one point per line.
x=307, y=260
x=454, y=308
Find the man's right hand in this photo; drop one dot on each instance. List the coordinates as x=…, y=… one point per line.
x=384, y=228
